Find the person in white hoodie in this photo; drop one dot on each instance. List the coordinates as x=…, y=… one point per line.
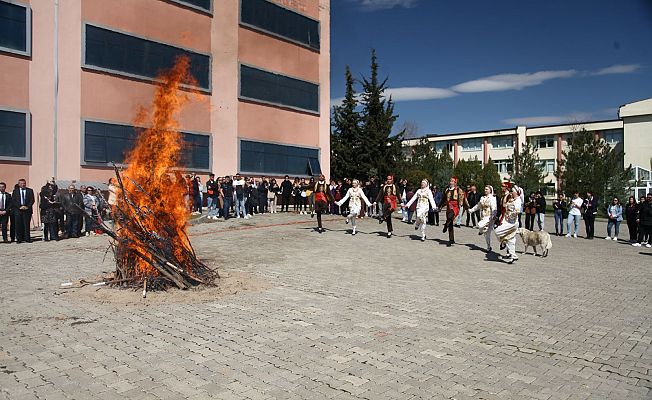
x=425, y=201
x=487, y=207
x=354, y=195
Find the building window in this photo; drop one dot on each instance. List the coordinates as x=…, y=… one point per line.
x=472, y=144
x=271, y=88
x=613, y=137
x=106, y=143
x=279, y=21
x=15, y=28
x=503, y=166
x=544, y=142
x=502, y=142
x=440, y=146
x=269, y=158
x=203, y=5
x=14, y=135
x=132, y=56
x=547, y=165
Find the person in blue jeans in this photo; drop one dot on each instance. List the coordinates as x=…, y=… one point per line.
x=615, y=215
x=240, y=198
x=561, y=213
x=574, y=215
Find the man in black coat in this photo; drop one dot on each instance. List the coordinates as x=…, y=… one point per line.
x=22, y=201
x=473, y=197
x=590, y=210
x=5, y=211
x=286, y=191
x=73, y=206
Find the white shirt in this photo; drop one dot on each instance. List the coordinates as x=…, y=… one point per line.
x=578, y=204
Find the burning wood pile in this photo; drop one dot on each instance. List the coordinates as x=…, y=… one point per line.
x=151, y=245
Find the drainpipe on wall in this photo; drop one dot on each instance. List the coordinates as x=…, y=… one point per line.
x=56, y=85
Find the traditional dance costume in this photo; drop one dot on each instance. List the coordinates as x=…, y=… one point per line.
x=487, y=208
x=354, y=196
x=322, y=197
x=388, y=195
x=506, y=231
x=454, y=198
x=424, y=202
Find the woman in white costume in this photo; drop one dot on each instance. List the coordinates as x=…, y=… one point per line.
x=487, y=207
x=506, y=231
x=425, y=201
x=354, y=195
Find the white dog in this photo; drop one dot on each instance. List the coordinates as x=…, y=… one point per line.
x=534, y=239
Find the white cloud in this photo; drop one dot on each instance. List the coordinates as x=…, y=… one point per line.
x=372, y=5
x=618, y=69
x=551, y=119
x=418, y=93
x=502, y=82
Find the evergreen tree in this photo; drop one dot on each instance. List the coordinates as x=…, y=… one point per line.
x=468, y=172
x=591, y=164
x=526, y=170
x=443, y=169
x=345, y=135
x=379, y=148
x=490, y=176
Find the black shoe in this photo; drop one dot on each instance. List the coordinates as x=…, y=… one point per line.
x=502, y=246
x=380, y=221
x=445, y=228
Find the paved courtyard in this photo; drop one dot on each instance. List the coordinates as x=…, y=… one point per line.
x=333, y=316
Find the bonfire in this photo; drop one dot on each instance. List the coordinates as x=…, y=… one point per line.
x=150, y=241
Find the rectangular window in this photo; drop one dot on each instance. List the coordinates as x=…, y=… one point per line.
x=279, y=21
x=106, y=143
x=547, y=165
x=613, y=137
x=502, y=142
x=14, y=135
x=440, y=146
x=132, y=56
x=204, y=5
x=472, y=144
x=269, y=158
x=15, y=28
x=503, y=166
x=544, y=142
x=259, y=85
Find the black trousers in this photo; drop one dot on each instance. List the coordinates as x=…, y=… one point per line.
x=4, y=221
x=529, y=221
x=644, y=232
x=632, y=226
x=387, y=216
x=23, y=218
x=589, y=223
x=285, y=202
x=473, y=216
x=450, y=219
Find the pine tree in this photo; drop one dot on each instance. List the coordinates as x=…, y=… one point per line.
x=345, y=135
x=490, y=176
x=526, y=170
x=591, y=164
x=443, y=169
x=468, y=172
x=379, y=148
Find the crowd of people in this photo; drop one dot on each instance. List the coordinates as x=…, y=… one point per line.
x=76, y=212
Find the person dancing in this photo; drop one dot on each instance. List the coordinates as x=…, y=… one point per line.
x=322, y=197
x=354, y=195
x=487, y=207
x=388, y=194
x=425, y=201
x=454, y=197
x=506, y=231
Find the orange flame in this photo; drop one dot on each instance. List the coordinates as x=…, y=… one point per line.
x=157, y=150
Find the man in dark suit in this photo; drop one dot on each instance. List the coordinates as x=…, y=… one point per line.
x=5, y=210
x=22, y=200
x=590, y=211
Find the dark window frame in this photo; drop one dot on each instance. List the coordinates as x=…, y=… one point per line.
x=278, y=35
x=28, y=33
x=275, y=104
x=28, y=136
x=129, y=75
x=188, y=4
x=85, y=163
x=279, y=173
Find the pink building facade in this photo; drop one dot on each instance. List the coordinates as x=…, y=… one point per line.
x=75, y=72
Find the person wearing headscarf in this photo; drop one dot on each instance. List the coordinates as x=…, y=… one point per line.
x=454, y=199
x=389, y=194
x=322, y=197
x=424, y=199
x=487, y=208
x=506, y=231
x=355, y=195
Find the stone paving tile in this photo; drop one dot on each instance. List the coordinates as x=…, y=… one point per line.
x=344, y=317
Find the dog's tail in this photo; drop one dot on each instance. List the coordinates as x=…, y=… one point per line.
x=547, y=247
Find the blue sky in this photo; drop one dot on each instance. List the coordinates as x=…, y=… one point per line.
x=457, y=66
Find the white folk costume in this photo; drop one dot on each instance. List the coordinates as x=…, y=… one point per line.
x=506, y=231
x=424, y=202
x=355, y=196
x=488, y=208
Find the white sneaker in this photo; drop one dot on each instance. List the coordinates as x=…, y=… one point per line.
x=648, y=245
x=247, y=216
x=636, y=244
x=607, y=238
x=353, y=233
x=569, y=235
x=423, y=238
x=615, y=238
x=238, y=217
x=575, y=236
